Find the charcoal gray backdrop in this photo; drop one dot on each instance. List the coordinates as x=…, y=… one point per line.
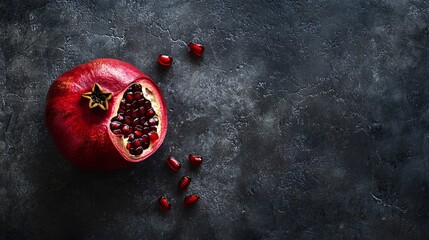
x=312, y=117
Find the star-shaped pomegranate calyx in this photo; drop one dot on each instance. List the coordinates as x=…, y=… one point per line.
x=97, y=97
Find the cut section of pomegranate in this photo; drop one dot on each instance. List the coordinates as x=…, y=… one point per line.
x=132, y=126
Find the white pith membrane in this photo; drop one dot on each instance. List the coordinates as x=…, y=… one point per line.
x=121, y=141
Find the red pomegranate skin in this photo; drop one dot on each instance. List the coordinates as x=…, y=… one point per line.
x=80, y=133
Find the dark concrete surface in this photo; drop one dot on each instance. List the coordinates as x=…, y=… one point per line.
x=312, y=116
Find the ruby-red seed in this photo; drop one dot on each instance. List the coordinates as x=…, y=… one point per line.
x=195, y=160
x=196, y=49
x=164, y=204
x=184, y=182
x=191, y=199
x=165, y=60
x=173, y=164
x=153, y=136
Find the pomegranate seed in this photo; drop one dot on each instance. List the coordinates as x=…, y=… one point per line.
x=141, y=102
x=119, y=118
x=184, y=182
x=138, y=133
x=164, y=204
x=136, y=121
x=173, y=164
x=117, y=132
x=129, y=96
x=132, y=151
x=196, y=49
x=191, y=199
x=137, y=142
x=134, y=104
x=153, y=136
x=142, y=111
x=138, y=95
x=131, y=137
x=145, y=139
x=115, y=125
x=138, y=151
x=150, y=113
x=128, y=145
x=135, y=88
x=125, y=129
x=135, y=113
x=165, y=60
x=195, y=160
x=153, y=121
x=121, y=110
x=128, y=120
x=147, y=104
x=146, y=130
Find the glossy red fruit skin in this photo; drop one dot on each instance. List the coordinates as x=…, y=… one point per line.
x=184, y=182
x=164, y=204
x=195, y=160
x=165, y=60
x=190, y=200
x=173, y=164
x=196, y=49
x=81, y=134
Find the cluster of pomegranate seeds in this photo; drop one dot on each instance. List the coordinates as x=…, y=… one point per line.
x=165, y=60
x=136, y=120
x=164, y=204
x=196, y=49
x=184, y=182
x=191, y=199
x=173, y=164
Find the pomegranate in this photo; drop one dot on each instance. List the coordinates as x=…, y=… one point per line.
x=105, y=114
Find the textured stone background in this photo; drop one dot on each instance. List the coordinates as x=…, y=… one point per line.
x=312, y=115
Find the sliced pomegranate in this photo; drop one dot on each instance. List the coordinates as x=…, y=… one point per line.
x=106, y=114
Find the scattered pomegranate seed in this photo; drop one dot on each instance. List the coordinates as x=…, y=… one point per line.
x=173, y=164
x=191, y=199
x=195, y=160
x=164, y=204
x=196, y=49
x=165, y=60
x=184, y=182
